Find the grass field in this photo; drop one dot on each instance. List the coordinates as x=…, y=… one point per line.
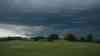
x=58, y=48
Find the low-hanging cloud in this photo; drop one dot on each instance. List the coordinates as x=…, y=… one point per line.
x=20, y=30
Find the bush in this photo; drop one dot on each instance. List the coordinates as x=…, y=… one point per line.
x=15, y=38
x=38, y=38
x=4, y=39
x=82, y=39
x=98, y=41
x=53, y=37
x=70, y=37
x=89, y=37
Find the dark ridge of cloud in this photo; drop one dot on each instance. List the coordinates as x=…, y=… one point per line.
x=30, y=21
x=49, y=20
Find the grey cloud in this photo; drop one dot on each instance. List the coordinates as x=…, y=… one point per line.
x=24, y=20
x=33, y=7
x=20, y=30
x=90, y=20
x=55, y=14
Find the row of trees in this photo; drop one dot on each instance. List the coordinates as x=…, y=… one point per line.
x=71, y=37
x=67, y=37
x=11, y=38
x=52, y=37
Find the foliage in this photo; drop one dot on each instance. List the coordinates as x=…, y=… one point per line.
x=82, y=39
x=38, y=38
x=89, y=37
x=53, y=37
x=11, y=38
x=70, y=37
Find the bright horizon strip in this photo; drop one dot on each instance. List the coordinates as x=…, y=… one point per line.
x=19, y=30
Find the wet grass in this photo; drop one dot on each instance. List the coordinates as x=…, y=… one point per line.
x=57, y=48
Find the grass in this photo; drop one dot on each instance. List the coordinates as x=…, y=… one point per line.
x=58, y=48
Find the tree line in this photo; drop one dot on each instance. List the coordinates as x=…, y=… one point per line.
x=67, y=37
x=53, y=37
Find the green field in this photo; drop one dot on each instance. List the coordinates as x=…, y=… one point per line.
x=58, y=48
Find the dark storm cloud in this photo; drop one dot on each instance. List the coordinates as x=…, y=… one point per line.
x=24, y=20
x=90, y=20
x=56, y=15
x=44, y=7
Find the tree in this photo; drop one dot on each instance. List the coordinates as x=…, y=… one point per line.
x=38, y=38
x=70, y=37
x=53, y=37
x=4, y=39
x=35, y=38
x=82, y=38
x=89, y=37
x=11, y=38
x=98, y=41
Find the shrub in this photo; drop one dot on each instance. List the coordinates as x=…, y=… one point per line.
x=89, y=37
x=4, y=39
x=82, y=39
x=98, y=41
x=38, y=38
x=53, y=37
x=70, y=37
x=15, y=38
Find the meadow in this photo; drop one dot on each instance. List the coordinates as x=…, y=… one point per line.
x=42, y=48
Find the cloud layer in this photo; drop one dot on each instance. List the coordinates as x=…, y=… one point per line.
x=33, y=17
x=44, y=7
x=20, y=30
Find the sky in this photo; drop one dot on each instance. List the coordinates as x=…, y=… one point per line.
x=43, y=17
